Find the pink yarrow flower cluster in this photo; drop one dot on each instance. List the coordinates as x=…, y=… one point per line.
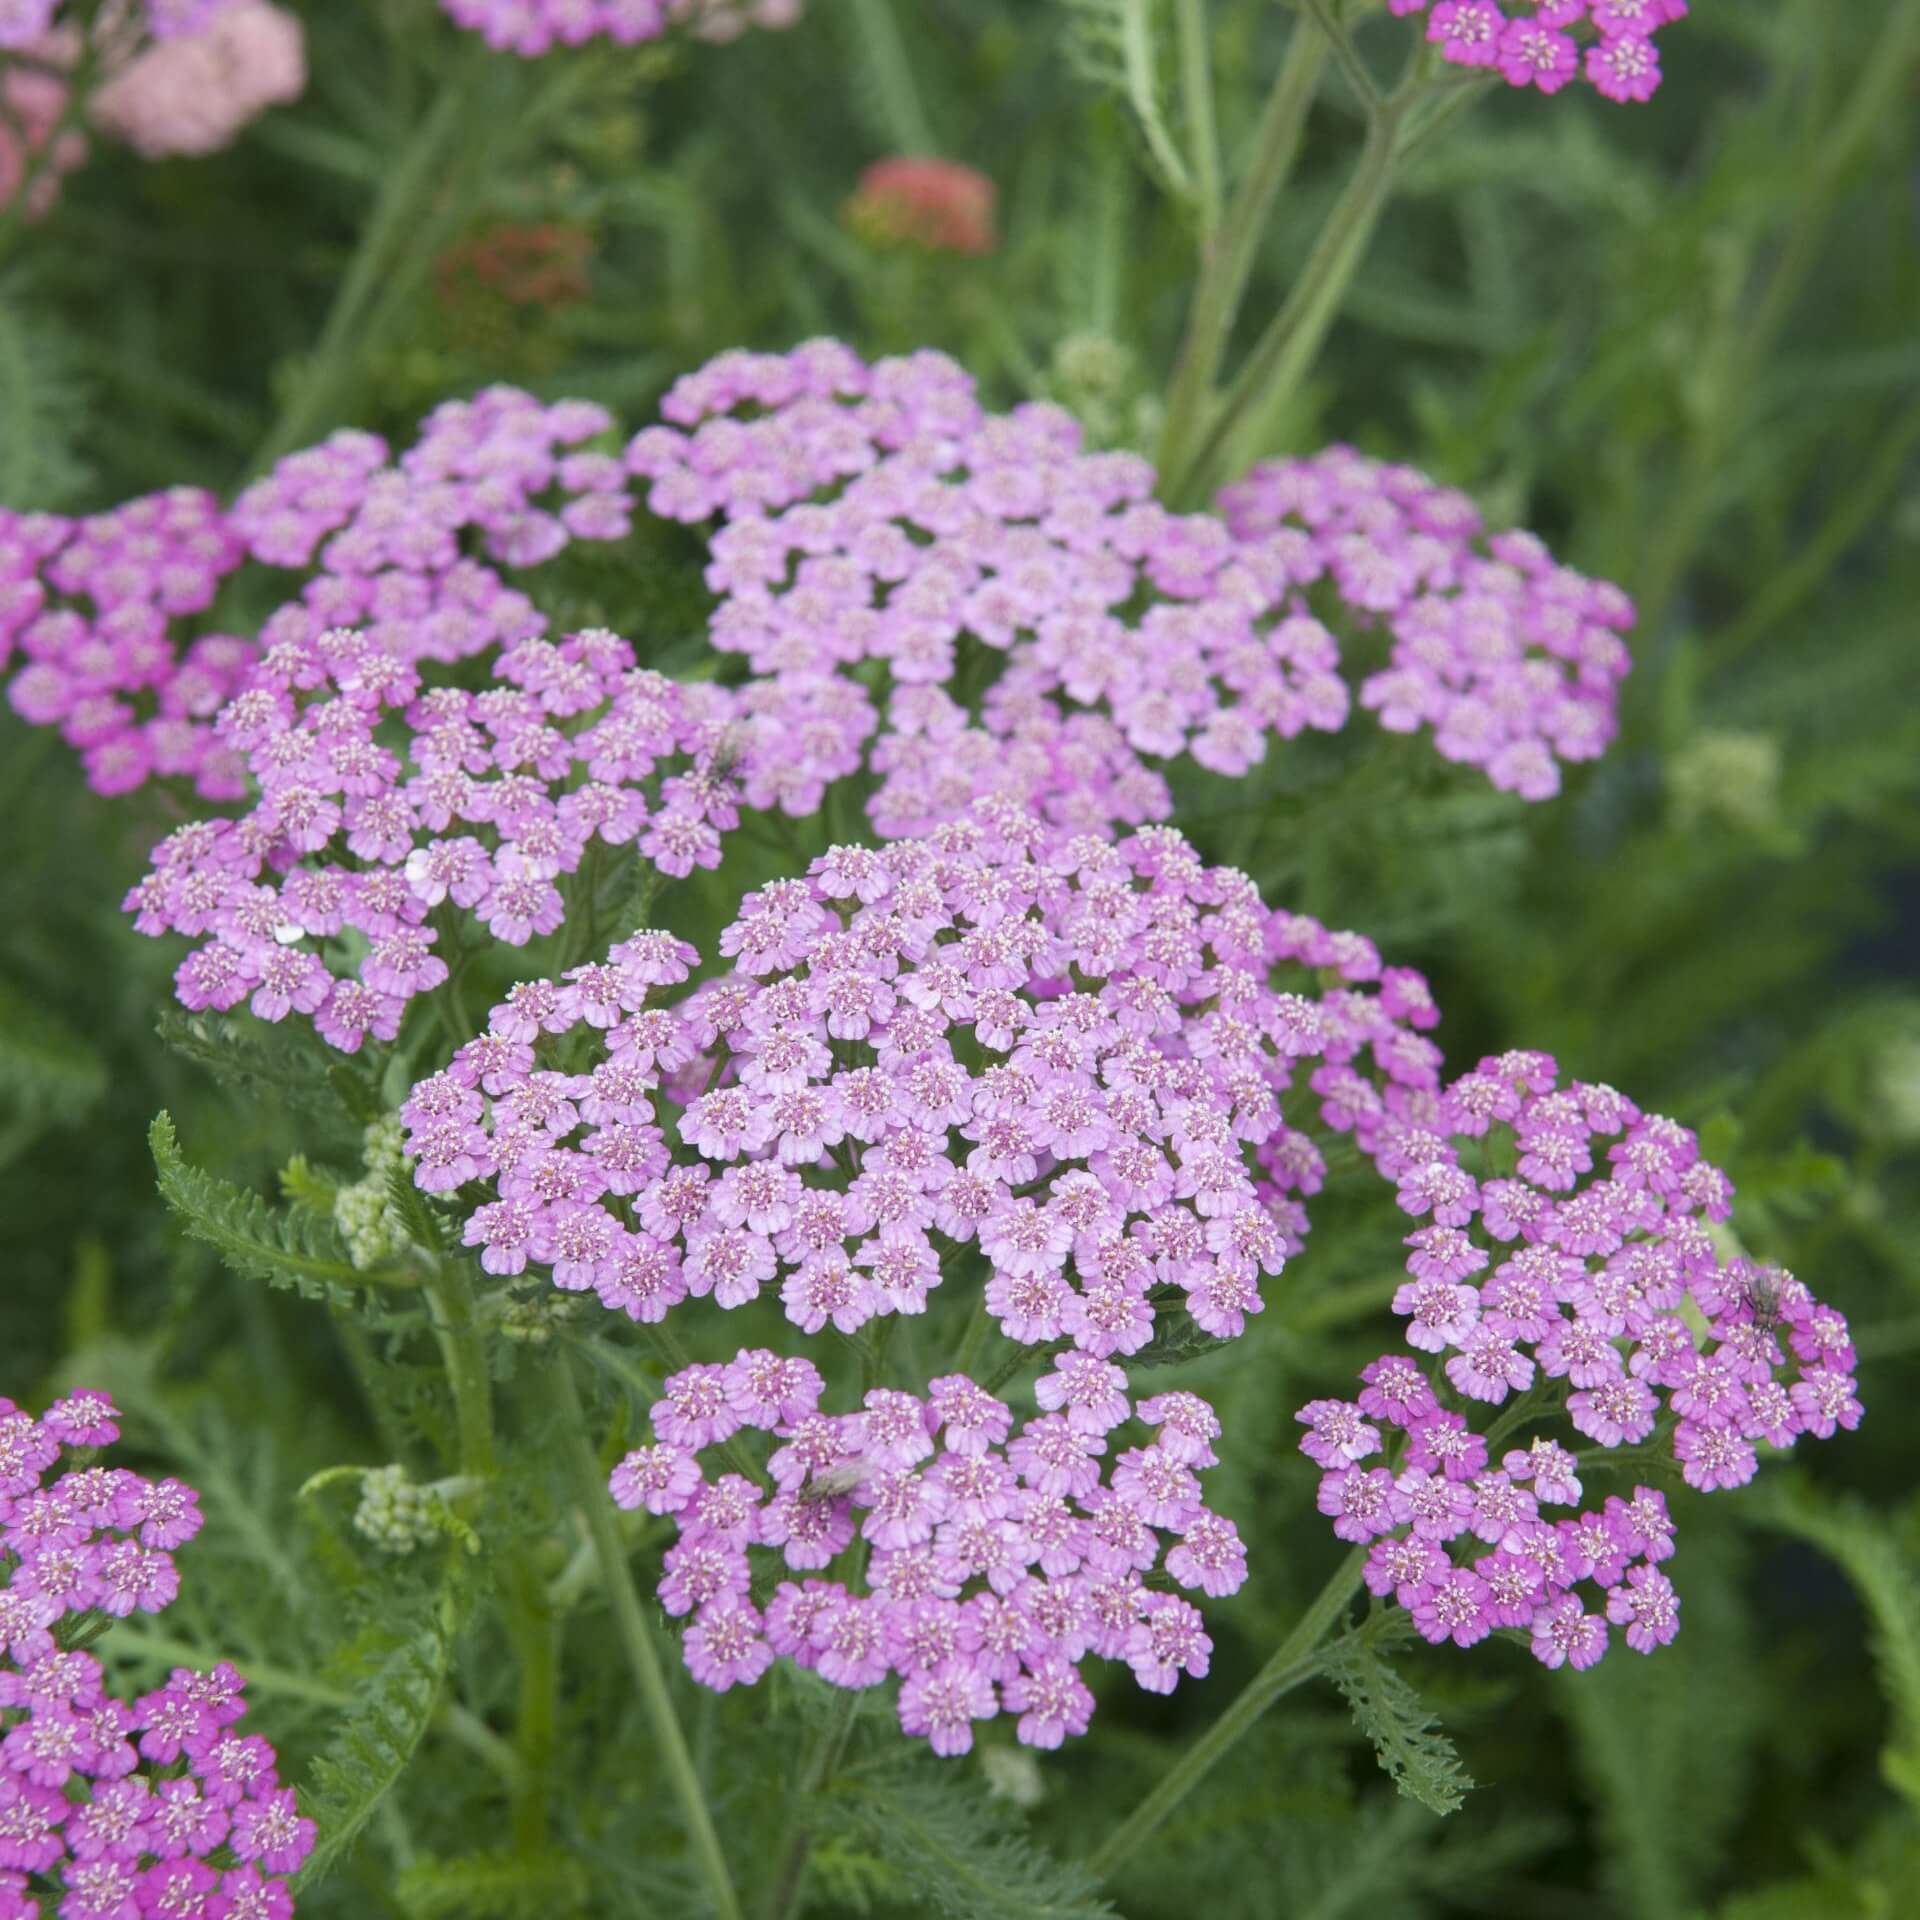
x=1068, y=1054
x=317, y=901
x=101, y=614
x=193, y=94
x=533, y=27
x=87, y=612
x=1547, y=43
x=1512, y=660
x=1600, y=1301
x=992, y=1560
x=112, y=1809
x=877, y=516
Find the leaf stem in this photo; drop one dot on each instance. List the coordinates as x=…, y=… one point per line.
x=1196, y=91
x=637, y=1640
x=821, y=1766
x=1285, y=352
x=1296, y=1659
x=1229, y=254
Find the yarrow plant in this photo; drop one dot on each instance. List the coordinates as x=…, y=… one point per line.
x=534, y=27
x=1511, y=659
x=912, y=200
x=143, y=1809
x=407, y=549
x=317, y=901
x=992, y=1558
x=1602, y=1301
x=880, y=516
x=1547, y=43
x=1065, y=1053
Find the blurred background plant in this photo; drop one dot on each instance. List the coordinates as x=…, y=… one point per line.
x=1679, y=340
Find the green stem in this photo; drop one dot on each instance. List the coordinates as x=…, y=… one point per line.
x=887, y=62
x=456, y=1325
x=1229, y=254
x=1196, y=91
x=417, y=174
x=821, y=1766
x=1297, y=1659
x=1285, y=352
x=637, y=1640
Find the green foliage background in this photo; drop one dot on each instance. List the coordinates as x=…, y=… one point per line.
x=1680, y=340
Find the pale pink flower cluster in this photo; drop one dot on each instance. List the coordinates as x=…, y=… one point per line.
x=87, y=612
x=1042, y=628
x=533, y=27
x=35, y=98
x=1067, y=1054
x=103, y=612
x=317, y=900
x=993, y=1560
x=1511, y=659
x=1602, y=1302
x=193, y=93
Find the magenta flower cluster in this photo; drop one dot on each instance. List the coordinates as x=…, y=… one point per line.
x=86, y=615
x=878, y=517
x=1067, y=1053
x=534, y=27
x=1547, y=43
x=407, y=549
x=984, y=1562
x=1601, y=1301
x=150, y=1809
x=1512, y=660
x=317, y=900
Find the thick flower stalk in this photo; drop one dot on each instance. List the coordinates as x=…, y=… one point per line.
x=1547, y=43
x=317, y=900
x=988, y=1560
x=1592, y=1299
x=533, y=27
x=1068, y=1055
x=1513, y=661
x=109, y=616
x=111, y=1809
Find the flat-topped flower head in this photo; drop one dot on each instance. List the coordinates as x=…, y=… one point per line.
x=1512, y=661
x=534, y=27
x=1074, y=1068
x=1039, y=628
x=987, y=1581
x=1543, y=43
x=154, y=1805
x=381, y=806
x=1577, y=1286
x=107, y=624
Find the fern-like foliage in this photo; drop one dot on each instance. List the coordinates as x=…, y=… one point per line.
x=284, y=1065
x=43, y=399
x=940, y=1837
x=395, y=1700
x=49, y=1076
x=493, y=1886
x=296, y=1250
x=1888, y=1582
x=1122, y=46
x=1418, y=1758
